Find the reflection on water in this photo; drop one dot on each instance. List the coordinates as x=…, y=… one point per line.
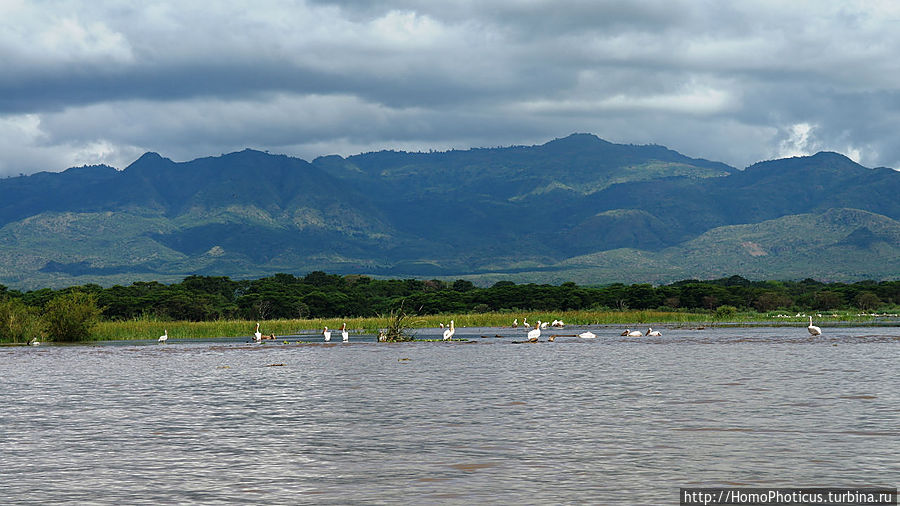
x=605, y=421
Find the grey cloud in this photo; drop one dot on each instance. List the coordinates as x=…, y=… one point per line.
x=88, y=82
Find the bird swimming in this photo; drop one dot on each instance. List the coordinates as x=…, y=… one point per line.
x=651, y=332
x=587, y=335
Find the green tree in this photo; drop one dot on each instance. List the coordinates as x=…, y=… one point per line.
x=768, y=301
x=867, y=301
x=71, y=316
x=18, y=323
x=725, y=312
x=828, y=299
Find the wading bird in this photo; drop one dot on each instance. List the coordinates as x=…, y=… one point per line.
x=813, y=330
x=165, y=337
x=448, y=334
x=257, y=336
x=327, y=334
x=344, y=334
x=533, y=335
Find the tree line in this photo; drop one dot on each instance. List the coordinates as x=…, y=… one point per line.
x=322, y=295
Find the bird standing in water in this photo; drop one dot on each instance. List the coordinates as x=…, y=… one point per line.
x=448, y=334
x=813, y=330
x=533, y=335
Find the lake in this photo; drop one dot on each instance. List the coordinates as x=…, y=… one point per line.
x=613, y=420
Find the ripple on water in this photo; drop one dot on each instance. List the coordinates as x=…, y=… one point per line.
x=224, y=422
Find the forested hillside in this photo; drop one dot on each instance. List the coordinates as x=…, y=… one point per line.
x=574, y=209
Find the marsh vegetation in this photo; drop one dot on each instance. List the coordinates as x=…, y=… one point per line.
x=201, y=307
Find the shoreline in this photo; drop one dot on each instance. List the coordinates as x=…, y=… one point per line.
x=136, y=330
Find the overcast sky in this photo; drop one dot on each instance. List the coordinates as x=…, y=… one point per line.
x=95, y=81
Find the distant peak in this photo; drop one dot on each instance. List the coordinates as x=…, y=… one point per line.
x=149, y=156
x=822, y=159
x=149, y=159
x=831, y=155
x=577, y=139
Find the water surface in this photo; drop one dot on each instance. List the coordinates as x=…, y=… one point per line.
x=612, y=420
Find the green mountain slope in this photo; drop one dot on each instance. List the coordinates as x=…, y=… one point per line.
x=577, y=208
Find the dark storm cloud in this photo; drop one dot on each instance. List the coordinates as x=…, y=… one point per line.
x=89, y=82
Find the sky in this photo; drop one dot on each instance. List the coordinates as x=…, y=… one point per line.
x=99, y=81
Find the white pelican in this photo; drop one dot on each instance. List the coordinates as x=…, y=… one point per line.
x=344, y=333
x=525, y=322
x=515, y=323
x=813, y=330
x=632, y=333
x=651, y=332
x=533, y=335
x=558, y=323
x=165, y=337
x=587, y=335
x=544, y=325
x=33, y=342
x=448, y=334
x=256, y=335
x=327, y=334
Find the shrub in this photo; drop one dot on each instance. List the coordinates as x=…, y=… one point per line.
x=725, y=312
x=397, y=327
x=71, y=316
x=18, y=323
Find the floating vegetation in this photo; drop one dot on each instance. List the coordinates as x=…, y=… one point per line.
x=397, y=327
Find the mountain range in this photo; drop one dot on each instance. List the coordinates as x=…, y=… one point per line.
x=573, y=209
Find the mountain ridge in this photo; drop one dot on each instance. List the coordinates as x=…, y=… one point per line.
x=524, y=212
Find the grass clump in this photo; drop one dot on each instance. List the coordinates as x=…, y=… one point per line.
x=396, y=330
